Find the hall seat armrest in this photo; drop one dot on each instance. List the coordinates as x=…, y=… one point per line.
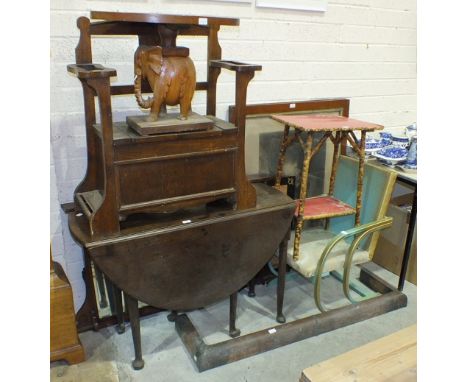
x=235, y=66
x=88, y=71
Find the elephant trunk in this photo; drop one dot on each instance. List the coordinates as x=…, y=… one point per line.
x=144, y=103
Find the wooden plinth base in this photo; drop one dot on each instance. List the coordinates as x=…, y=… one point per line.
x=169, y=123
x=210, y=356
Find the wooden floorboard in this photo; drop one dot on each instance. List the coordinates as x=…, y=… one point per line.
x=391, y=358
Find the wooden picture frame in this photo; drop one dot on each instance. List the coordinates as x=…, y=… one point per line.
x=298, y=5
x=232, y=1
x=258, y=121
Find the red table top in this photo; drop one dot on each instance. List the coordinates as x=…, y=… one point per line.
x=322, y=206
x=319, y=122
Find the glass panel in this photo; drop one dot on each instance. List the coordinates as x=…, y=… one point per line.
x=263, y=140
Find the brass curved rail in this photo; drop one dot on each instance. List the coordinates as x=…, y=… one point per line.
x=360, y=231
x=380, y=224
x=321, y=264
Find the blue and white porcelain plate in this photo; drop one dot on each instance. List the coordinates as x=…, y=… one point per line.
x=391, y=155
x=393, y=152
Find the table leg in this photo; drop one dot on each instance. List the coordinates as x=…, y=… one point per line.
x=281, y=281
x=172, y=316
x=336, y=152
x=408, y=243
x=303, y=195
x=362, y=154
x=251, y=284
x=132, y=308
x=233, y=332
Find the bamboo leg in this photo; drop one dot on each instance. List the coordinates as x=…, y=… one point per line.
x=284, y=145
x=361, y=154
x=281, y=281
x=303, y=195
x=132, y=308
x=336, y=152
x=233, y=332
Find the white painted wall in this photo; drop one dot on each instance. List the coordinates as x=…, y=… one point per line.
x=361, y=49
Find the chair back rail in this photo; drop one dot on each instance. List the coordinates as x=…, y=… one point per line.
x=377, y=190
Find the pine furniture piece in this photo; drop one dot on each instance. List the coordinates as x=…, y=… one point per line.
x=390, y=358
x=64, y=341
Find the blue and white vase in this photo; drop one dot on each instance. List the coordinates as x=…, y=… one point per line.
x=412, y=159
x=411, y=130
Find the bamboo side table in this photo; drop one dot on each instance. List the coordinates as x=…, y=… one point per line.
x=339, y=130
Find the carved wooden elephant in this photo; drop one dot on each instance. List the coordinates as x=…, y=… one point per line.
x=172, y=80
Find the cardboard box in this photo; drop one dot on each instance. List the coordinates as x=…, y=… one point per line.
x=391, y=244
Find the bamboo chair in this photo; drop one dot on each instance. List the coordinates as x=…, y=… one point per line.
x=341, y=244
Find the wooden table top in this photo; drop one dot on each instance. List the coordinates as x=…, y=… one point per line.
x=325, y=123
x=157, y=18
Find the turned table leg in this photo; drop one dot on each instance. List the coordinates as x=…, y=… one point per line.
x=251, y=284
x=132, y=309
x=233, y=332
x=281, y=281
x=172, y=316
